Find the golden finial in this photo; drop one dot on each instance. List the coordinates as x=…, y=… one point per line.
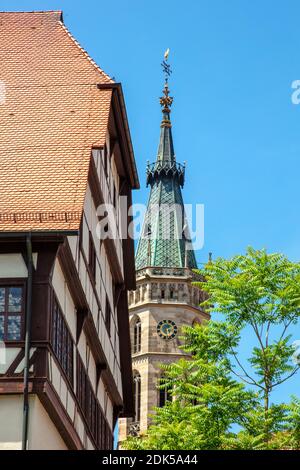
x=166, y=100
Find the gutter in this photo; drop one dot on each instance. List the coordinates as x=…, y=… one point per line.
x=38, y=233
x=27, y=342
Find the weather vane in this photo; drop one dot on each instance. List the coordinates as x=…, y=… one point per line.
x=165, y=66
x=166, y=100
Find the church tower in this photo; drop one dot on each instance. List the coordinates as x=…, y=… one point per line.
x=164, y=299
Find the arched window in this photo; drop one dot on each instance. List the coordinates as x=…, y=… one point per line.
x=137, y=335
x=137, y=396
x=164, y=394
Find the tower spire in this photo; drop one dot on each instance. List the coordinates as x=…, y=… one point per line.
x=167, y=245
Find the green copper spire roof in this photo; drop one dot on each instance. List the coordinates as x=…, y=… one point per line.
x=165, y=236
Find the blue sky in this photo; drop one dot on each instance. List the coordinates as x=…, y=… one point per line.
x=233, y=119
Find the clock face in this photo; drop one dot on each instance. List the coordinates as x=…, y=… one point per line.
x=166, y=329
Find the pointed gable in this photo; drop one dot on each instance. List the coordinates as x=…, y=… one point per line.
x=52, y=113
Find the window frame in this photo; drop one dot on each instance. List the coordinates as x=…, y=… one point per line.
x=91, y=409
x=61, y=350
x=137, y=396
x=92, y=257
x=164, y=395
x=9, y=283
x=105, y=160
x=137, y=335
x=108, y=316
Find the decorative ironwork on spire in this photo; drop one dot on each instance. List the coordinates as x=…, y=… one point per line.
x=166, y=67
x=166, y=100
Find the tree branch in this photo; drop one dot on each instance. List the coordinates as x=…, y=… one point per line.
x=287, y=377
x=244, y=380
x=253, y=382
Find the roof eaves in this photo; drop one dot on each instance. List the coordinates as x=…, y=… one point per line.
x=118, y=88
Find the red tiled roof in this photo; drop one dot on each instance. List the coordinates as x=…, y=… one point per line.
x=51, y=115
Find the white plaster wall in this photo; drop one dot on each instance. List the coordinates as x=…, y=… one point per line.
x=12, y=265
x=64, y=297
x=42, y=434
x=79, y=426
x=81, y=346
x=105, y=402
x=7, y=356
x=11, y=414
x=73, y=243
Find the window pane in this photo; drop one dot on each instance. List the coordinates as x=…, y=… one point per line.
x=15, y=299
x=14, y=328
x=2, y=299
x=1, y=327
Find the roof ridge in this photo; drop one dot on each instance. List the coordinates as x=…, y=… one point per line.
x=86, y=54
x=31, y=11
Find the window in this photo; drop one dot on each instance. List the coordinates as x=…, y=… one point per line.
x=137, y=396
x=107, y=315
x=91, y=409
x=137, y=336
x=164, y=394
x=80, y=382
x=115, y=196
x=92, y=256
x=104, y=434
x=171, y=294
x=12, y=313
x=105, y=158
x=162, y=294
x=61, y=341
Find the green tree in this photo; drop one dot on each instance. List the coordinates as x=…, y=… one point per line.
x=259, y=291
x=207, y=401
x=293, y=426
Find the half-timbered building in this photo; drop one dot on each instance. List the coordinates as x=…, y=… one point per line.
x=65, y=149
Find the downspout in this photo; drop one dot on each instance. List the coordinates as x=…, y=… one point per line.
x=27, y=342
